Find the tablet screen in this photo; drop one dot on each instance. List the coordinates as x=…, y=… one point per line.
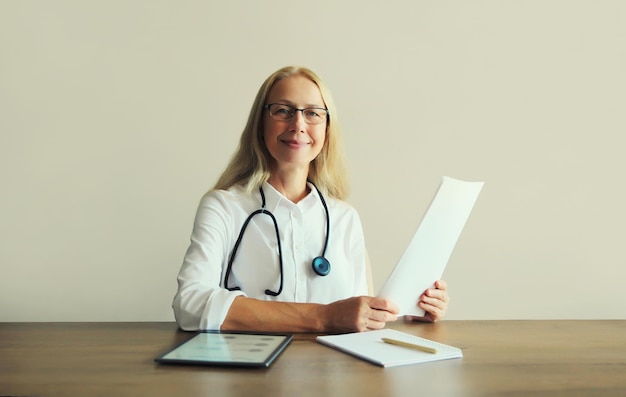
x=228, y=348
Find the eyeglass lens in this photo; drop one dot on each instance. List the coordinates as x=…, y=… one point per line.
x=283, y=112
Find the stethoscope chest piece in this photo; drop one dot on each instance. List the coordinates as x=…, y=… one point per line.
x=321, y=266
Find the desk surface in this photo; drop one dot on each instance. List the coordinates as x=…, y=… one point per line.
x=501, y=358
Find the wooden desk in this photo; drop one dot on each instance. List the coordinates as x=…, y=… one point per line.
x=501, y=358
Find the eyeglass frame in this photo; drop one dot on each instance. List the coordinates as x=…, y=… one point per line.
x=295, y=109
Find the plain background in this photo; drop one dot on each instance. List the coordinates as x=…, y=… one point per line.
x=116, y=116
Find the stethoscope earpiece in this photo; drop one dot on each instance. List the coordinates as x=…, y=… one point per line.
x=321, y=266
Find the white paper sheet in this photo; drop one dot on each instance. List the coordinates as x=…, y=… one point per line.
x=428, y=253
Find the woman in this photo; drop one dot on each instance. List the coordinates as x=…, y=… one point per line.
x=277, y=206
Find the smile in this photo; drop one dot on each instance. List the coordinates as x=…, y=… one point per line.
x=295, y=144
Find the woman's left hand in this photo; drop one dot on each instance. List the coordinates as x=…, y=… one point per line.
x=434, y=301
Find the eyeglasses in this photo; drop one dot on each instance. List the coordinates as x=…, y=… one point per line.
x=282, y=112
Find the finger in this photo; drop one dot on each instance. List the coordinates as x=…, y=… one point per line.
x=369, y=323
x=441, y=284
x=433, y=303
x=382, y=316
x=380, y=312
x=433, y=313
x=440, y=302
x=437, y=294
x=384, y=304
x=374, y=325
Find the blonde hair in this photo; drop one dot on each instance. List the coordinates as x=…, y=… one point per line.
x=249, y=166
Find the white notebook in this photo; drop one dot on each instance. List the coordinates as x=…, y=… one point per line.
x=370, y=347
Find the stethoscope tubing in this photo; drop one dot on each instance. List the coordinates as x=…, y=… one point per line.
x=320, y=264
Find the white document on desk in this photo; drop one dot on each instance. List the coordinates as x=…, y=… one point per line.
x=428, y=253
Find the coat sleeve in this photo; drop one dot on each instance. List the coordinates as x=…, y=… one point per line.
x=200, y=302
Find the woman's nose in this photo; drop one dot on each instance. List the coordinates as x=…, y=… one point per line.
x=298, y=122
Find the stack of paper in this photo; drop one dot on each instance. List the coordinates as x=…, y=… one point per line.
x=430, y=248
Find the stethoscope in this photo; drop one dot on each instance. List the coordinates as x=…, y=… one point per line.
x=320, y=264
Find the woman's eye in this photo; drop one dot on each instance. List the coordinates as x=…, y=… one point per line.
x=283, y=111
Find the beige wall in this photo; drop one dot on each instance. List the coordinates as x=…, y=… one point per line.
x=115, y=116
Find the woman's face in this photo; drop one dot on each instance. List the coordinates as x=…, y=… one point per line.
x=294, y=143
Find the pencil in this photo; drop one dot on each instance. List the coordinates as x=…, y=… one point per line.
x=410, y=345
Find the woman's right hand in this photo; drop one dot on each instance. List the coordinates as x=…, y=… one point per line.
x=362, y=313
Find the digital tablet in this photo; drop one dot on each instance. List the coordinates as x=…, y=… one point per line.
x=218, y=348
